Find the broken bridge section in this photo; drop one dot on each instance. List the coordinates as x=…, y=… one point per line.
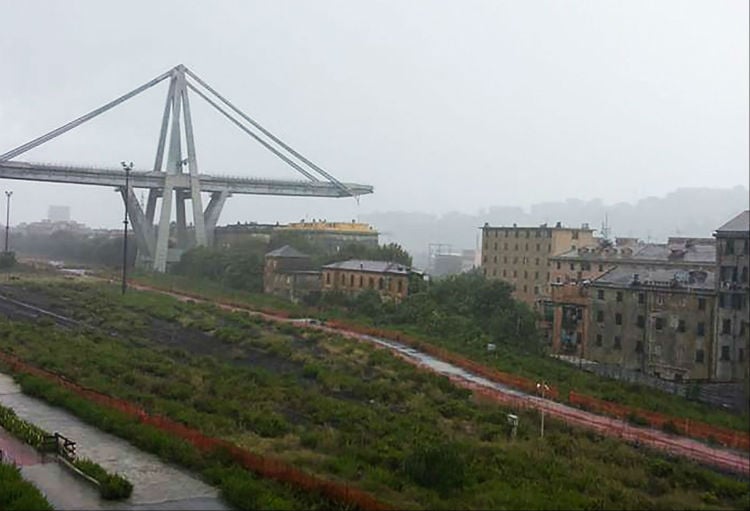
x=175, y=178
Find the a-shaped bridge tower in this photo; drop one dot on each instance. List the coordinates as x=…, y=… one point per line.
x=169, y=181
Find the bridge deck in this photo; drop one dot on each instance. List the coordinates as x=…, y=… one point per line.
x=149, y=179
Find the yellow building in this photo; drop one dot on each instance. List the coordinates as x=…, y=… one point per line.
x=335, y=235
x=520, y=255
x=390, y=280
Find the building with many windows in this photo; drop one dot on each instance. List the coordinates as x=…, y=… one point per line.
x=520, y=255
x=733, y=289
x=655, y=321
x=390, y=280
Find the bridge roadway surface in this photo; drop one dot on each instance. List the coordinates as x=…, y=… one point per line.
x=729, y=460
x=149, y=179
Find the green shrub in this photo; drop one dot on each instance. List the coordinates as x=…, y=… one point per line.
x=440, y=467
x=111, y=486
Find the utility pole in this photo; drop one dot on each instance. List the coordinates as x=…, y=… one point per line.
x=128, y=167
x=543, y=388
x=8, y=194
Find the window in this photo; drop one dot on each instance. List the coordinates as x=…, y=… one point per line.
x=618, y=319
x=618, y=343
x=494, y=259
x=641, y=321
x=744, y=275
x=516, y=233
x=741, y=355
x=496, y=245
x=343, y=279
x=536, y=290
x=572, y=266
x=659, y=323
x=586, y=266
x=600, y=294
x=575, y=235
x=536, y=261
x=699, y=356
x=362, y=279
x=729, y=247
x=701, y=304
x=525, y=274
x=381, y=283
x=600, y=316
x=506, y=234
x=494, y=272
x=641, y=298
x=701, y=329
x=619, y=296
x=527, y=247
x=639, y=347
x=598, y=339
x=537, y=247
x=726, y=326
x=558, y=265
x=505, y=273
x=528, y=234
x=399, y=286
x=516, y=247
x=536, y=275
x=515, y=273
x=351, y=280
x=725, y=353
x=505, y=246
x=681, y=326
x=525, y=288
x=484, y=259
x=505, y=259
x=601, y=267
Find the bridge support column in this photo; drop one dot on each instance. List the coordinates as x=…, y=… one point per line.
x=211, y=215
x=142, y=228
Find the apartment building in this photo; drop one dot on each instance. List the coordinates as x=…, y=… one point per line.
x=520, y=255
x=657, y=321
x=390, y=280
x=733, y=291
x=589, y=263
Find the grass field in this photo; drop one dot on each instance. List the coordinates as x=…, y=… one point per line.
x=340, y=409
x=17, y=494
x=560, y=374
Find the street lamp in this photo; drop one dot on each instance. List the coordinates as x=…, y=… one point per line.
x=542, y=387
x=8, y=194
x=127, y=167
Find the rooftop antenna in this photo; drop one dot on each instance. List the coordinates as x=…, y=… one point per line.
x=605, y=227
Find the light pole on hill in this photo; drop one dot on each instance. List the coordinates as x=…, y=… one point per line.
x=8, y=194
x=128, y=167
x=542, y=387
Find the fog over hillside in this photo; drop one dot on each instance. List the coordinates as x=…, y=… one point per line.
x=684, y=212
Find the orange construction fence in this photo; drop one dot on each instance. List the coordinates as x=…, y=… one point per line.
x=684, y=426
x=262, y=465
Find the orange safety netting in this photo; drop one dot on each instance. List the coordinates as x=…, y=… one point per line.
x=262, y=465
x=684, y=426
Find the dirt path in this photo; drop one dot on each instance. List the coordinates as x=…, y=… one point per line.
x=725, y=459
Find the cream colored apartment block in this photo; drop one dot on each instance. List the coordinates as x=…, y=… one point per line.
x=520, y=255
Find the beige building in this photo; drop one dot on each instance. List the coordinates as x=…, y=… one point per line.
x=390, y=280
x=520, y=255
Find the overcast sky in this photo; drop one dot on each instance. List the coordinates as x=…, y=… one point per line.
x=440, y=105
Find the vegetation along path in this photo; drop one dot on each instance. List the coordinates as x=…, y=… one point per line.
x=674, y=444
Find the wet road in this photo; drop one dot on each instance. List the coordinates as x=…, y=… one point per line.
x=156, y=485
